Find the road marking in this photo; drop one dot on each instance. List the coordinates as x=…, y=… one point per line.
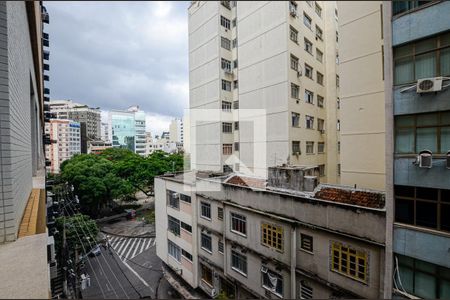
x=107, y=287
x=148, y=244
x=142, y=247
x=154, y=242
x=131, y=247
x=136, y=248
x=126, y=242
x=137, y=275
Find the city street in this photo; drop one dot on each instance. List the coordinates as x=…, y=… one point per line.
x=130, y=269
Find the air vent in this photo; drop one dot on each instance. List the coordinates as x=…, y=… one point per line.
x=428, y=85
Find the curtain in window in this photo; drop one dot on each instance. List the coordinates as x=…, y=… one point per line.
x=445, y=62
x=445, y=139
x=404, y=71
x=425, y=286
x=426, y=139
x=426, y=65
x=404, y=141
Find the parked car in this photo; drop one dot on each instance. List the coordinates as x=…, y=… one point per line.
x=131, y=213
x=95, y=251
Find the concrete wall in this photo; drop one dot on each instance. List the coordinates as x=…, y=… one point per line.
x=362, y=94
x=408, y=173
x=19, y=103
x=417, y=25
x=410, y=102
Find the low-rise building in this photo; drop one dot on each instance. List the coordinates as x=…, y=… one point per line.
x=252, y=237
x=97, y=147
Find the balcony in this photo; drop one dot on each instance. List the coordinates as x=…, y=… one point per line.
x=46, y=78
x=46, y=91
x=45, y=16
x=46, y=54
x=45, y=43
x=46, y=67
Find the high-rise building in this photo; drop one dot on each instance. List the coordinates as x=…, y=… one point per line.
x=128, y=129
x=66, y=142
x=105, y=133
x=176, y=130
x=274, y=61
x=24, y=271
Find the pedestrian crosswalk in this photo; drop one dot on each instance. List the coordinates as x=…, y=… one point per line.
x=129, y=248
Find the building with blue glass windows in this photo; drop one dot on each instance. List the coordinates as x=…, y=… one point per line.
x=128, y=129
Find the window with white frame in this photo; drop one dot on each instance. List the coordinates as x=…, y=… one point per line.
x=296, y=147
x=226, y=64
x=236, y=146
x=309, y=97
x=319, y=33
x=309, y=147
x=226, y=106
x=239, y=262
x=224, y=22
x=225, y=43
x=220, y=213
x=234, y=43
x=293, y=34
x=205, y=210
x=206, y=242
x=295, y=91
x=295, y=119
x=173, y=199
x=320, y=124
x=173, y=250
x=186, y=254
x=307, y=20
x=238, y=223
x=320, y=147
x=186, y=227
x=309, y=122
x=319, y=55
x=206, y=274
x=308, y=46
x=308, y=71
x=272, y=281
x=227, y=149
x=235, y=84
x=227, y=127
x=294, y=63
x=226, y=85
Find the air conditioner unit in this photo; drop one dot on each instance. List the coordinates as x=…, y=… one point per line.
x=448, y=160
x=429, y=85
x=175, y=195
x=299, y=73
x=425, y=159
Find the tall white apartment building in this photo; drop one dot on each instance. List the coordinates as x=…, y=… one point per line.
x=66, y=142
x=273, y=60
x=176, y=130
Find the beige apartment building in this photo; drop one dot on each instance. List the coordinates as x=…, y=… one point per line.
x=263, y=86
x=65, y=142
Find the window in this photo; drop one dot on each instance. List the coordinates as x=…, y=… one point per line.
x=272, y=281
x=308, y=71
x=226, y=4
x=234, y=43
x=307, y=21
x=295, y=91
x=206, y=242
x=295, y=119
x=220, y=246
x=309, y=122
x=339, y=147
x=185, y=198
x=296, y=147
x=236, y=105
x=320, y=124
x=306, y=292
x=318, y=10
x=424, y=207
x=235, y=63
x=294, y=63
x=320, y=147
x=205, y=210
x=227, y=169
x=293, y=7
x=319, y=101
x=233, y=22
x=309, y=97
x=220, y=213
x=399, y=7
x=226, y=106
x=226, y=85
x=186, y=254
x=235, y=84
x=174, y=225
x=308, y=46
x=225, y=43
x=224, y=22
x=338, y=125
x=236, y=146
x=321, y=170
x=319, y=78
x=414, y=133
x=238, y=223
x=226, y=65
x=174, y=200
x=337, y=37
x=349, y=261
x=227, y=127
x=319, y=33
x=186, y=227
x=309, y=147
x=293, y=34
x=239, y=262
x=236, y=125
x=337, y=80
x=422, y=59
x=207, y=274
x=227, y=149
x=338, y=103
x=272, y=236
x=174, y=250
x=306, y=242
x=423, y=279
x=319, y=55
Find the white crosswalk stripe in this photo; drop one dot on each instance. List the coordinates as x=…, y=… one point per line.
x=128, y=248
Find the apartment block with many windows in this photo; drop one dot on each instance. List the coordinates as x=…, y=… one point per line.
x=230, y=238
x=277, y=59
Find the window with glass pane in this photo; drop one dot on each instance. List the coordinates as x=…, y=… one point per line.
x=422, y=59
x=174, y=225
x=174, y=250
x=238, y=262
x=295, y=91
x=205, y=210
x=238, y=223
x=295, y=147
x=295, y=119
x=349, y=261
x=226, y=106
x=207, y=274
x=272, y=236
x=173, y=199
x=227, y=127
x=399, y=7
x=294, y=63
x=320, y=147
x=206, y=242
x=272, y=281
x=293, y=34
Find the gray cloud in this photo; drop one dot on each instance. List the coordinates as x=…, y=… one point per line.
x=117, y=54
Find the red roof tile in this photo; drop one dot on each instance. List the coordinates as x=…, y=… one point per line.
x=360, y=198
x=248, y=182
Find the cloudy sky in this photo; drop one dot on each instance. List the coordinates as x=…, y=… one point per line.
x=116, y=54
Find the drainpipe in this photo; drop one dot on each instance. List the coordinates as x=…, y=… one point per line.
x=293, y=260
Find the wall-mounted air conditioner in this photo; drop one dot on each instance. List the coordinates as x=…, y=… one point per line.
x=429, y=85
x=425, y=159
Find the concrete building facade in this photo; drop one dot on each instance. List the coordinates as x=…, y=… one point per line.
x=176, y=130
x=271, y=62
x=65, y=136
x=223, y=234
